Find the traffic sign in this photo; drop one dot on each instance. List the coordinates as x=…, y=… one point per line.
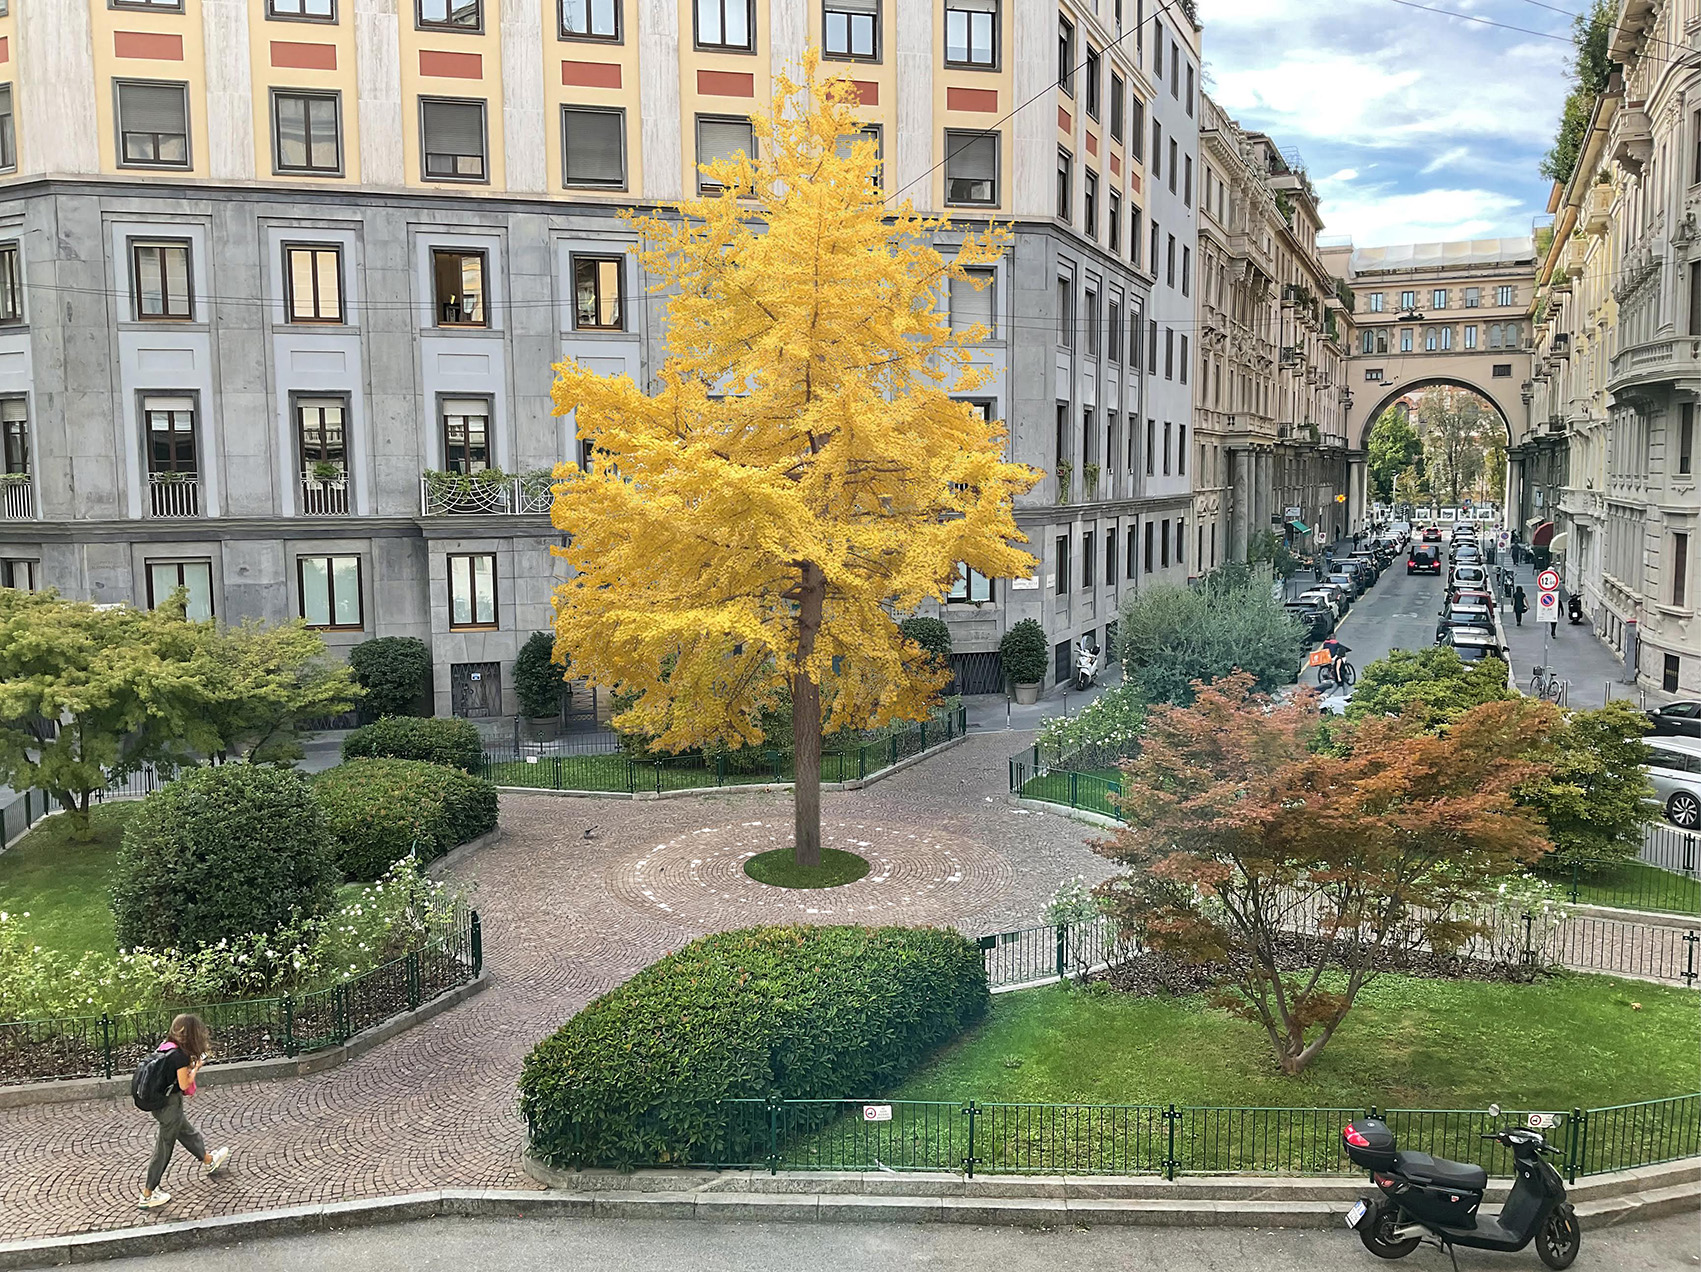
x=1547, y=606
x=1548, y=580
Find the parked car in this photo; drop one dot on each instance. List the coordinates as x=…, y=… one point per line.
x=1361, y=570
x=1457, y=615
x=1424, y=559
x=1676, y=719
x=1470, y=596
x=1316, y=617
x=1468, y=576
x=1467, y=554
x=1331, y=598
x=1432, y=534
x=1675, y=771
x=1473, y=644
x=1367, y=562
x=1348, y=581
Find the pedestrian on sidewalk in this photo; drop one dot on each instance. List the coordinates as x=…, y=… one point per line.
x=1520, y=603
x=171, y=1071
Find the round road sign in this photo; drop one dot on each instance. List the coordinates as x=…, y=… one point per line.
x=1547, y=606
x=1548, y=581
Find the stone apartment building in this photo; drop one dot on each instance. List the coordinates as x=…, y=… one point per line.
x=1275, y=330
x=281, y=283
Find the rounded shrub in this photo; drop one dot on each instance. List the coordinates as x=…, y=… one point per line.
x=933, y=635
x=1024, y=653
x=221, y=852
x=379, y=810
x=637, y=1077
x=538, y=677
x=395, y=671
x=436, y=740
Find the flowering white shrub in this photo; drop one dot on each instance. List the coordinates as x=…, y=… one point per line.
x=1501, y=912
x=1112, y=722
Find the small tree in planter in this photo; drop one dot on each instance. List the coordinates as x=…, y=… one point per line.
x=395, y=671
x=1024, y=651
x=538, y=677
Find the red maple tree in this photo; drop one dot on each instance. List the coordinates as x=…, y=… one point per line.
x=1298, y=868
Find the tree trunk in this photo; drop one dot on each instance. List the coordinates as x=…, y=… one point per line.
x=806, y=721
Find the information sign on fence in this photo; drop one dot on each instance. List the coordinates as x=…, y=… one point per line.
x=876, y=1112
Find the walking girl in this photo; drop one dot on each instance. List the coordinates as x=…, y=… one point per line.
x=164, y=1080
x=1519, y=605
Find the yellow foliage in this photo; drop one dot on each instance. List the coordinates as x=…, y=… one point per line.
x=798, y=478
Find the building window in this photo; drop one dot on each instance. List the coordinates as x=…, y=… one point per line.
x=1367, y=342
x=1679, y=569
x=1187, y=180
x=466, y=435
x=153, y=125
x=1375, y=302
x=11, y=285
x=1065, y=448
x=1129, y=570
x=1190, y=90
x=1113, y=335
x=170, y=426
x=311, y=10
x=305, y=133
x=458, y=288
x=1134, y=239
x=972, y=301
x=725, y=24
x=971, y=588
x=1186, y=271
x=14, y=436
x=1118, y=91
x=313, y=282
x=1066, y=56
x=1431, y=342
x=1169, y=353
x=1174, y=148
x=1446, y=338
x=1185, y=359
x=19, y=574
x=1151, y=528
x=1169, y=263
x=1471, y=336
x=321, y=431
x=1137, y=130
x=1169, y=440
x=593, y=147
x=1505, y=295
x=851, y=29
x=590, y=19
x=1473, y=297
x=1438, y=298
x=1062, y=564
x=1686, y=441
x=330, y=592
x=1110, y=572
x=971, y=33
x=1157, y=148
x=1668, y=675
x=1088, y=562
x=1502, y=371
x=1405, y=340
x=1092, y=324
x=161, y=276
x=1136, y=337
x=8, y=131
x=1092, y=71
x=721, y=138
x=1151, y=451
x=598, y=293
x=1065, y=181
x=1113, y=234
x=1090, y=203
x=1373, y=375
x=452, y=15
x=1066, y=312
x=472, y=590
x=196, y=577
x=451, y=139
x=1408, y=301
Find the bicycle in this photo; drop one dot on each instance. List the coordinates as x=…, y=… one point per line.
x=1546, y=684
x=1340, y=672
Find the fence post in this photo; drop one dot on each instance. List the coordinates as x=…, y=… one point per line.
x=1582, y=1155
x=1074, y=787
x=1171, y=1116
x=973, y=1111
x=1689, y=939
x=720, y=768
x=774, y=764
x=106, y=1042
x=775, y=1103
x=1062, y=937
x=289, y=1025
x=892, y=750
x=924, y=735
x=1572, y=1132
x=413, y=979
x=1529, y=947
x=1574, y=868
x=862, y=762
x=477, y=945
x=1688, y=853
x=339, y=1002
x=631, y=777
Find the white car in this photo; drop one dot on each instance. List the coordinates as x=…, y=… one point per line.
x=1328, y=598
x=1472, y=577
x=1675, y=771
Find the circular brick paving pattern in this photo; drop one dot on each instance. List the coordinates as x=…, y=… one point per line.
x=563, y=922
x=917, y=876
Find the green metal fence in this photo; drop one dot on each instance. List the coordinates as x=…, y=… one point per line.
x=1169, y=1140
x=247, y=1029
x=615, y=772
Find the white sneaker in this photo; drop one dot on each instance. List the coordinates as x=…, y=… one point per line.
x=219, y=1157
x=149, y=1201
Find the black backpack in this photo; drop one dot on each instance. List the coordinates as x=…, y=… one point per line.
x=152, y=1083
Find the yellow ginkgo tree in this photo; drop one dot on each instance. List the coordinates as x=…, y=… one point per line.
x=798, y=477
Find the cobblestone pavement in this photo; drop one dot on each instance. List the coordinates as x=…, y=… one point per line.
x=566, y=917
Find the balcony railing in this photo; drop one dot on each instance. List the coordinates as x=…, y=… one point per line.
x=1655, y=360
x=487, y=493
x=174, y=494
x=324, y=496
x=17, y=499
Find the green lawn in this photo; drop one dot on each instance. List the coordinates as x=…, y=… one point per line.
x=1639, y=886
x=1088, y=790
x=62, y=882
x=780, y=869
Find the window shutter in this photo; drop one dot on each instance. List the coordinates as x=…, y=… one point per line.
x=153, y=108
x=975, y=6
x=595, y=151
x=971, y=308
x=975, y=159
x=854, y=6
x=724, y=138
x=454, y=128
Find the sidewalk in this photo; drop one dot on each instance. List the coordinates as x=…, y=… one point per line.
x=992, y=713
x=1590, y=668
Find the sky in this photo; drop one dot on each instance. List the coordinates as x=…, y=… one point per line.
x=1415, y=127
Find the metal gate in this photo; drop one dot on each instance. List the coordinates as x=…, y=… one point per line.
x=978, y=673
x=476, y=689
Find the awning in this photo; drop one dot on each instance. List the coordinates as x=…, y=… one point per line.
x=1559, y=542
x=1299, y=527
x=1544, y=533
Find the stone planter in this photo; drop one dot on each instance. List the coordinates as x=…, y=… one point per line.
x=1027, y=695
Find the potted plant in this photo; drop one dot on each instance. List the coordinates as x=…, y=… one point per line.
x=1023, y=652
x=1065, y=477
x=538, y=684
x=326, y=471
x=1090, y=475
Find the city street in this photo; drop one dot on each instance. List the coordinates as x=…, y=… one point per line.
x=612, y=1245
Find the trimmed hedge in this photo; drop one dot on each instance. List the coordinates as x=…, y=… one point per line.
x=434, y=739
x=378, y=809
x=224, y=850
x=395, y=671
x=801, y=1012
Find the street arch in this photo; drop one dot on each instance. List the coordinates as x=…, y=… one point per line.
x=1393, y=394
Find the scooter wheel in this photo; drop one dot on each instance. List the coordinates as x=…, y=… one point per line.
x=1561, y=1236
x=1376, y=1230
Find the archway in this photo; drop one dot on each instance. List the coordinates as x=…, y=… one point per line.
x=1467, y=459
x=1359, y=426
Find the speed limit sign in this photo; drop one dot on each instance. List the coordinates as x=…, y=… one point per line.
x=1547, y=581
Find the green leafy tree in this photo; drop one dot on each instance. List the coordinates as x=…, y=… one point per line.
x=1455, y=428
x=933, y=635
x=90, y=695
x=395, y=671
x=260, y=681
x=538, y=677
x=1432, y=687
x=1172, y=637
x=1393, y=448
x=1595, y=796
x=1266, y=547
x=1590, y=70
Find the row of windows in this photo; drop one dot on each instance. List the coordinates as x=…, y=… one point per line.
x=1501, y=335
x=1165, y=542
x=1102, y=449
x=1471, y=298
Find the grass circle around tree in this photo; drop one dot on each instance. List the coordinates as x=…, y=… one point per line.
x=779, y=868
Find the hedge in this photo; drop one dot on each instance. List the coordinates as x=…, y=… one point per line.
x=378, y=810
x=801, y=1012
x=395, y=671
x=436, y=740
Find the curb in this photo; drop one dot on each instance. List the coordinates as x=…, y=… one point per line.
x=1047, y=1204
x=73, y=1090
x=1083, y=815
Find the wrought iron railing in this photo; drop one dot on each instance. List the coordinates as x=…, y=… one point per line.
x=17, y=500
x=174, y=495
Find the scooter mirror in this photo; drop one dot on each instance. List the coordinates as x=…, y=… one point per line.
x=1494, y=1110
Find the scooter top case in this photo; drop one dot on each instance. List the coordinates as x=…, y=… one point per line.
x=1369, y=1143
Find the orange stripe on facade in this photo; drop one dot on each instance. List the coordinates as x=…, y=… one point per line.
x=5, y=49
x=1092, y=144
x=867, y=92
x=591, y=74
x=154, y=46
x=306, y=57
x=1116, y=165
x=1064, y=122
x=435, y=62
x=726, y=83
x=977, y=99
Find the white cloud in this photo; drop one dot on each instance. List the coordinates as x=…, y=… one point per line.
x=1345, y=174
x=1379, y=216
x=1446, y=159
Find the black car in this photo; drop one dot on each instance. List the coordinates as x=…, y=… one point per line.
x=1318, y=621
x=1424, y=559
x=1676, y=720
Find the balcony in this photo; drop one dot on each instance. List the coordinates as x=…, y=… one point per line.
x=1654, y=361
x=1597, y=209
x=1576, y=252
x=174, y=494
x=1633, y=139
x=324, y=493
x=17, y=497
x=488, y=493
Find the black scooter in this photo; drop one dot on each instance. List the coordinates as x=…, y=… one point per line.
x=1429, y=1198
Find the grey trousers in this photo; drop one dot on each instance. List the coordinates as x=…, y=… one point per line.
x=174, y=1129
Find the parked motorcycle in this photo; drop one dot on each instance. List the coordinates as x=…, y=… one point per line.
x=1574, y=609
x=1087, y=663
x=1429, y=1198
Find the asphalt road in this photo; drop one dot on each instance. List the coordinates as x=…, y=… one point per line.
x=1399, y=612
x=600, y=1245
